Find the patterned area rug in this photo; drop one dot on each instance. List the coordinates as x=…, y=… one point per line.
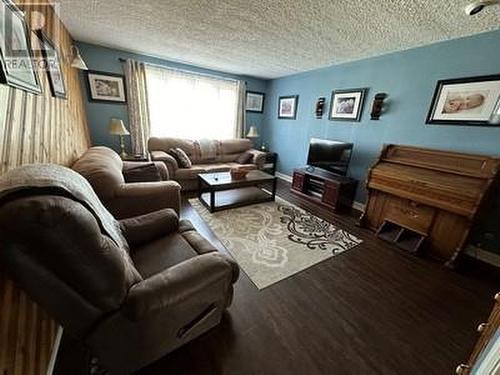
x=275, y=240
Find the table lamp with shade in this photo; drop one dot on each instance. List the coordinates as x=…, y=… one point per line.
x=252, y=132
x=117, y=127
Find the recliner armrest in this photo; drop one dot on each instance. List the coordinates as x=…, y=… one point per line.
x=146, y=228
x=135, y=199
x=259, y=158
x=169, y=161
x=207, y=278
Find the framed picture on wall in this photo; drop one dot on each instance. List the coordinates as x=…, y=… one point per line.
x=255, y=102
x=465, y=101
x=16, y=56
x=53, y=66
x=106, y=87
x=495, y=117
x=347, y=105
x=287, y=107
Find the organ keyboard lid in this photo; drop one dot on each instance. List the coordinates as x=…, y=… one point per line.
x=480, y=166
x=452, y=181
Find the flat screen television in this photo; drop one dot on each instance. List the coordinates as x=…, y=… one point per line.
x=333, y=156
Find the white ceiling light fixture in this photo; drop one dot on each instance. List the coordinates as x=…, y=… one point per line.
x=78, y=61
x=477, y=6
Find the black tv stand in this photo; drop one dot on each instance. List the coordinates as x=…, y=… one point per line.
x=324, y=188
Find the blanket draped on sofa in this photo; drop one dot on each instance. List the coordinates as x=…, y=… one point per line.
x=59, y=180
x=208, y=149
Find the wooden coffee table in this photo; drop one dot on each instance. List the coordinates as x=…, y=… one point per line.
x=219, y=191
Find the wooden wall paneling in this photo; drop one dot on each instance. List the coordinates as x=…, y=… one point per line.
x=65, y=135
x=37, y=129
x=27, y=333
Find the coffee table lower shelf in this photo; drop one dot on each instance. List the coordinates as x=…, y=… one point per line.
x=233, y=198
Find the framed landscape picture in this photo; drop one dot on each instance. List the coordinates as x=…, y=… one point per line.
x=287, y=107
x=16, y=56
x=465, y=101
x=347, y=105
x=255, y=102
x=106, y=87
x=53, y=66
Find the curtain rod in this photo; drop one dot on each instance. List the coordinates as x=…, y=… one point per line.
x=122, y=60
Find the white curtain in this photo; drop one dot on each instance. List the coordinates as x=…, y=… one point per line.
x=193, y=106
x=138, y=108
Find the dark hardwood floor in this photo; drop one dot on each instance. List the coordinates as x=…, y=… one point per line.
x=371, y=310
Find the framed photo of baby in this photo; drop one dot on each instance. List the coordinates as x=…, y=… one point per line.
x=465, y=101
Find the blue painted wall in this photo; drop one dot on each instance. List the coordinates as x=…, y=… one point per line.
x=409, y=77
x=106, y=59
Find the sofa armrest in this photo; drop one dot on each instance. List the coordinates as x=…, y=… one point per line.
x=259, y=158
x=163, y=170
x=169, y=161
x=141, y=229
x=205, y=278
x=136, y=199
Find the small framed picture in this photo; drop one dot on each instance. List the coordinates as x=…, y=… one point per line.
x=287, y=107
x=347, y=105
x=16, y=56
x=255, y=101
x=465, y=101
x=53, y=66
x=106, y=87
x=495, y=116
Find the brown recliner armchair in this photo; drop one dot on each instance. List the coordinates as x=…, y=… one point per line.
x=106, y=172
x=130, y=304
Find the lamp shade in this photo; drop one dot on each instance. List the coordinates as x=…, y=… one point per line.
x=78, y=60
x=116, y=127
x=252, y=132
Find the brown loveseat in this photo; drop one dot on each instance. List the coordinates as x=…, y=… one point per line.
x=227, y=151
x=104, y=169
x=131, y=294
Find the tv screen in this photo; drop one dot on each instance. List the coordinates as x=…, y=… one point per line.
x=333, y=156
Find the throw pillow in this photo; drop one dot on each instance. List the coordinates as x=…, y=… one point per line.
x=244, y=158
x=141, y=173
x=181, y=157
x=173, y=154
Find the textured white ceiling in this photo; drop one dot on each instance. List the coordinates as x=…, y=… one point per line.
x=270, y=38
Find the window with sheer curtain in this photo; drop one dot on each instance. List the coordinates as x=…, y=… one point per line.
x=192, y=106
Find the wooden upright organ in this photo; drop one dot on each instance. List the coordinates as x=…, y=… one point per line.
x=427, y=200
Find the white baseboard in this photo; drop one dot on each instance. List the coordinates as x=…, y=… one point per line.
x=483, y=255
x=284, y=177
x=356, y=205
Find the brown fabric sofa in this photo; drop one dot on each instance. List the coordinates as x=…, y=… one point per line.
x=104, y=169
x=129, y=305
x=227, y=152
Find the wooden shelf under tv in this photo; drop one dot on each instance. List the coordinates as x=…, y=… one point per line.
x=324, y=188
